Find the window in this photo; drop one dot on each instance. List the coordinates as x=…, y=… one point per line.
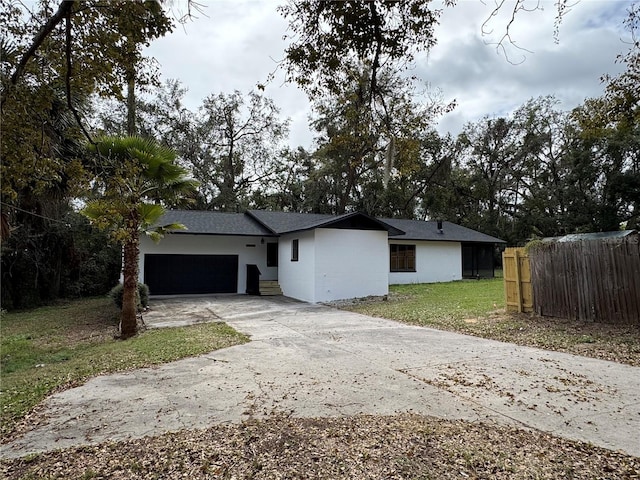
x=294, y=250
x=403, y=258
x=272, y=254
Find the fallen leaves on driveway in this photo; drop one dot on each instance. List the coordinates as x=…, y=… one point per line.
x=360, y=447
x=616, y=343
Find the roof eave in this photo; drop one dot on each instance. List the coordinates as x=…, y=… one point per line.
x=421, y=239
x=218, y=234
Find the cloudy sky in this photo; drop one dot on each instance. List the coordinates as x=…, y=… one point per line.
x=236, y=44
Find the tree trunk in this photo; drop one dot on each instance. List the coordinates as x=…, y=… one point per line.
x=128, y=316
x=131, y=106
x=229, y=202
x=131, y=95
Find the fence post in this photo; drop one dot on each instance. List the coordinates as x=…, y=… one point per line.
x=517, y=280
x=516, y=257
x=505, y=279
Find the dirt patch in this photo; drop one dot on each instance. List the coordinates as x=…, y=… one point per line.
x=81, y=327
x=96, y=332
x=362, y=447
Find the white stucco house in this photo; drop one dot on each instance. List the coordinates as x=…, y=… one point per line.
x=311, y=257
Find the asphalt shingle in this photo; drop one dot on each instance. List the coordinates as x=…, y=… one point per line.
x=270, y=224
x=206, y=222
x=286, y=222
x=283, y=222
x=428, y=230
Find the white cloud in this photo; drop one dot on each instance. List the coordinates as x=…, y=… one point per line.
x=234, y=47
x=239, y=43
x=484, y=83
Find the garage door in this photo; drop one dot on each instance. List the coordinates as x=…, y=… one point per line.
x=183, y=274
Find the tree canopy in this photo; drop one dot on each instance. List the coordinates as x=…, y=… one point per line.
x=70, y=71
x=328, y=38
x=56, y=57
x=331, y=38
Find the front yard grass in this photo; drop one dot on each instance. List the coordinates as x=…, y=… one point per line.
x=476, y=307
x=53, y=348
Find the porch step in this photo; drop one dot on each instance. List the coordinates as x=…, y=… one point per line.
x=270, y=287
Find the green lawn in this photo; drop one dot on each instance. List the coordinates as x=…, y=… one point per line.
x=51, y=348
x=453, y=304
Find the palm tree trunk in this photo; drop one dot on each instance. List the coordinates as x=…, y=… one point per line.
x=128, y=316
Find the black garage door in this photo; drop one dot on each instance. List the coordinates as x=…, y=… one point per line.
x=182, y=274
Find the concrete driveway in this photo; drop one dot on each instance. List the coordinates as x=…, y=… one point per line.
x=312, y=360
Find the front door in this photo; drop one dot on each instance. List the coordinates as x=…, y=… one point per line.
x=272, y=254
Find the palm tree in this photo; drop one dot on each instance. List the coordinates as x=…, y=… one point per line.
x=134, y=175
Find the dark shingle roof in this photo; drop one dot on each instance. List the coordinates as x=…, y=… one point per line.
x=214, y=223
x=269, y=224
x=421, y=230
x=287, y=222
x=283, y=222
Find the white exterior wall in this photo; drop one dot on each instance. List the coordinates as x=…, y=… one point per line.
x=333, y=264
x=185, y=244
x=350, y=264
x=296, y=279
x=435, y=262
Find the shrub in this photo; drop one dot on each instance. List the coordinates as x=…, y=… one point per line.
x=143, y=293
x=533, y=245
x=142, y=296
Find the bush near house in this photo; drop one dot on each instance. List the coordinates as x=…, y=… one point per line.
x=142, y=296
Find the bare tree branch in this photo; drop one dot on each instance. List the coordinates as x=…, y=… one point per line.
x=376, y=58
x=563, y=7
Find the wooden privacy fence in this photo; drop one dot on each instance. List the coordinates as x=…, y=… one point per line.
x=517, y=280
x=591, y=280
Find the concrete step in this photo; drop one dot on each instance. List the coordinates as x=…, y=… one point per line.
x=270, y=287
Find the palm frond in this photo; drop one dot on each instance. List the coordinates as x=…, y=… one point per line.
x=105, y=214
x=137, y=169
x=159, y=233
x=149, y=213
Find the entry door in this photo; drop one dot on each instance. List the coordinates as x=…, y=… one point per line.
x=272, y=254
